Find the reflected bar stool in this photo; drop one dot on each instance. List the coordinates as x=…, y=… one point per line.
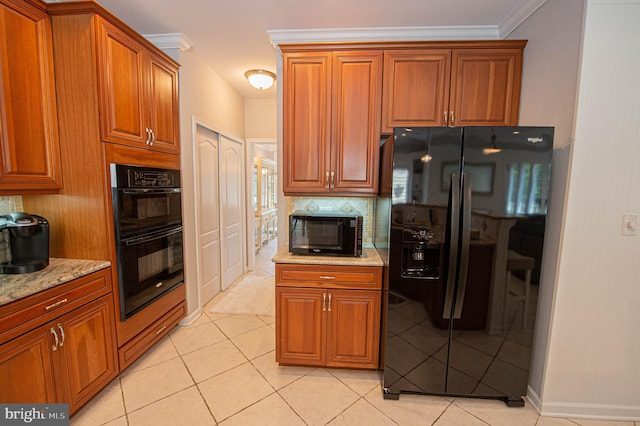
x=517, y=262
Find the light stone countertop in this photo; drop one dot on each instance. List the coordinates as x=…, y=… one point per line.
x=369, y=257
x=59, y=271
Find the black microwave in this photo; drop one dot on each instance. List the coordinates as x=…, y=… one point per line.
x=325, y=233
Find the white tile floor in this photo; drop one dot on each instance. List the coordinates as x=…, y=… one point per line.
x=222, y=370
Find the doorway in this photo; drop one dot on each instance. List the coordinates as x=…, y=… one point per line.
x=263, y=211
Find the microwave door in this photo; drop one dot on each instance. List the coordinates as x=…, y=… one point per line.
x=298, y=235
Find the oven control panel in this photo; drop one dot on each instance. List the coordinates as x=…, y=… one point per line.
x=124, y=176
x=151, y=178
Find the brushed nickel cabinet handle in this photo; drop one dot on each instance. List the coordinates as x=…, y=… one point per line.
x=153, y=137
x=58, y=303
x=324, y=302
x=329, y=303
x=163, y=328
x=333, y=185
x=453, y=120
x=61, y=335
x=327, y=277
x=326, y=185
x=146, y=129
x=55, y=335
x=446, y=116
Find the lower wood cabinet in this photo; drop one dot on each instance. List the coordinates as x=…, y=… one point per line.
x=331, y=325
x=66, y=360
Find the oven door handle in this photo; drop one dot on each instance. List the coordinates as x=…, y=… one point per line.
x=151, y=191
x=151, y=237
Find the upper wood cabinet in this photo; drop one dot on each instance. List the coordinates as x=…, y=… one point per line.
x=331, y=121
x=138, y=92
x=29, y=147
x=474, y=85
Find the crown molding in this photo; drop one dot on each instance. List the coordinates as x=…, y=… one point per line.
x=375, y=34
x=518, y=16
x=338, y=35
x=170, y=41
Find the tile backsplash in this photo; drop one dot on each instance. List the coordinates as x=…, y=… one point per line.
x=344, y=204
x=7, y=205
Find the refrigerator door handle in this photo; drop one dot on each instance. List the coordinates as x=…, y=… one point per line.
x=464, y=251
x=454, y=213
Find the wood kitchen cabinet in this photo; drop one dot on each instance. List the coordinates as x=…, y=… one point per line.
x=29, y=147
x=464, y=84
x=328, y=315
x=138, y=92
x=331, y=102
x=61, y=359
x=106, y=73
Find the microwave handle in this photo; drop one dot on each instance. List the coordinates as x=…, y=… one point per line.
x=155, y=236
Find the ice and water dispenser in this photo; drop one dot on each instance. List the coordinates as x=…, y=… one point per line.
x=420, y=251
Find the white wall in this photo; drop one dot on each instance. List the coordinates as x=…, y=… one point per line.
x=549, y=88
x=594, y=346
x=550, y=66
x=207, y=97
x=261, y=119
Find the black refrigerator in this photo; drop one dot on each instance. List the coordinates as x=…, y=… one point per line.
x=459, y=224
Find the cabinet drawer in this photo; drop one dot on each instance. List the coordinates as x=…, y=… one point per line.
x=328, y=276
x=25, y=314
x=156, y=331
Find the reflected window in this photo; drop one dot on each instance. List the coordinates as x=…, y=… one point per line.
x=528, y=188
x=401, y=182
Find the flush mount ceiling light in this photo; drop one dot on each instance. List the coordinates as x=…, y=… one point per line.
x=260, y=79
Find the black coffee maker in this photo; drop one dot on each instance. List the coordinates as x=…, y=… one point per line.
x=28, y=242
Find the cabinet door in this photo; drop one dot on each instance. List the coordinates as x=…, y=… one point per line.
x=300, y=326
x=26, y=369
x=163, y=106
x=87, y=350
x=485, y=87
x=306, y=122
x=29, y=147
x=354, y=328
x=416, y=88
x=355, y=142
x=121, y=65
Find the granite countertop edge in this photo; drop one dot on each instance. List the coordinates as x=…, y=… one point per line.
x=369, y=257
x=17, y=286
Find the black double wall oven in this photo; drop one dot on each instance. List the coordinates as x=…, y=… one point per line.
x=148, y=230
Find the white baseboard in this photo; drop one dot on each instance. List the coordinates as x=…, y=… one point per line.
x=574, y=410
x=534, y=399
x=190, y=319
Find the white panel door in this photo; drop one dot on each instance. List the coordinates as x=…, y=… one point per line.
x=208, y=214
x=231, y=196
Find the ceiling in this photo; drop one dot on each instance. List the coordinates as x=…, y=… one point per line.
x=233, y=36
